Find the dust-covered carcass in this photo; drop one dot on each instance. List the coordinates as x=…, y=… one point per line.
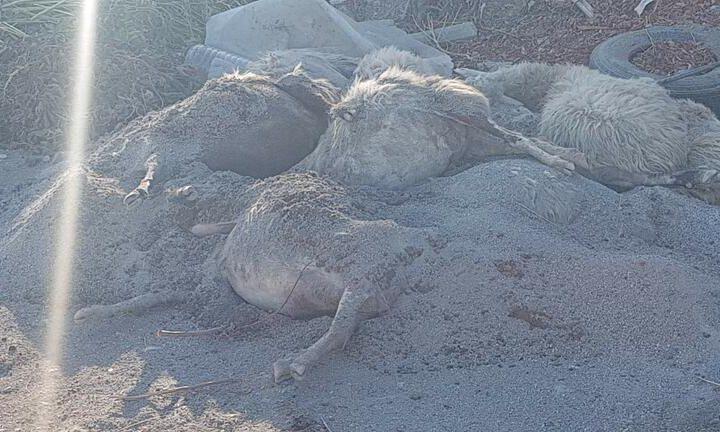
x=251, y=124
x=403, y=127
x=305, y=247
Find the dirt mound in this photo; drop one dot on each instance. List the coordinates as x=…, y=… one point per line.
x=611, y=279
x=241, y=123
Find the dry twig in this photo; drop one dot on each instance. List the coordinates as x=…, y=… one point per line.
x=190, y=333
x=137, y=423
x=709, y=382
x=325, y=424
x=177, y=389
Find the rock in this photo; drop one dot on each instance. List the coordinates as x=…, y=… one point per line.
x=416, y=395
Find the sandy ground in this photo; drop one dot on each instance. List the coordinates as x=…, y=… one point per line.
x=600, y=318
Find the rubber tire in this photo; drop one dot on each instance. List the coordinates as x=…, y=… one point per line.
x=613, y=58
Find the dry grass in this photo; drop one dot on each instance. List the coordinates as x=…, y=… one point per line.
x=18, y=15
x=139, y=47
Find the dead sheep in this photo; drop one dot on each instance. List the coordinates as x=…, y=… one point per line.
x=304, y=247
x=630, y=130
x=373, y=64
x=251, y=124
x=402, y=128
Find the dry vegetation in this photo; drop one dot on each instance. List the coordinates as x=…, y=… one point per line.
x=140, y=45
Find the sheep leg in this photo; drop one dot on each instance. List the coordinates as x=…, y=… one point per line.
x=133, y=305
x=347, y=318
x=519, y=144
x=616, y=177
x=138, y=194
x=573, y=155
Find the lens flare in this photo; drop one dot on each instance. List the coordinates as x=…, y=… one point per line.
x=62, y=277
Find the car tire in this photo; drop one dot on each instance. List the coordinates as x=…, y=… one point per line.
x=613, y=57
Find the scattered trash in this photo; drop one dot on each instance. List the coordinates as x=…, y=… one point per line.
x=466, y=30
x=246, y=33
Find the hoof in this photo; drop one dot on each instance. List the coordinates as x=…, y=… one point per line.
x=92, y=313
x=81, y=315
x=562, y=165
x=699, y=177
x=288, y=369
x=203, y=230
x=186, y=195
x=134, y=198
x=578, y=158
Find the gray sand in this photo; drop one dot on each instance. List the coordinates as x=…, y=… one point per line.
x=553, y=303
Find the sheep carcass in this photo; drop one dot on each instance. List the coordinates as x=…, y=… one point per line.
x=402, y=128
x=630, y=130
x=251, y=124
